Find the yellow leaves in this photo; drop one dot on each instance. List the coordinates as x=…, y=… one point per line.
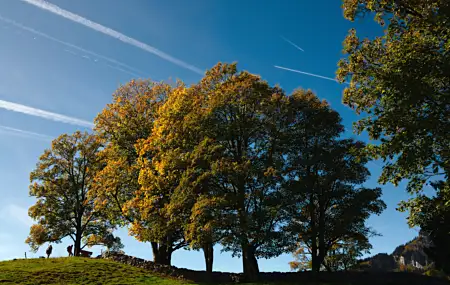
x=270, y=171
x=160, y=166
x=37, y=237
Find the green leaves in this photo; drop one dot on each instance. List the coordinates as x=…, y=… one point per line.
x=327, y=204
x=400, y=82
x=62, y=183
x=214, y=163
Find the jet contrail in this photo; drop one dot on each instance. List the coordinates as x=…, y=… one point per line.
x=291, y=43
x=71, y=52
x=110, y=32
x=136, y=72
x=307, y=73
x=118, y=68
x=23, y=133
x=44, y=114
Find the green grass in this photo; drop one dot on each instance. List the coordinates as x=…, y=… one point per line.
x=80, y=271
x=85, y=271
x=77, y=271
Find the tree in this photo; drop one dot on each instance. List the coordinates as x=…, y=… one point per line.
x=302, y=259
x=122, y=124
x=323, y=178
x=236, y=134
x=162, y=163
x=344, y=254
x=401, y=82
x=61, y=183
x=181, y=160
x=244, y=121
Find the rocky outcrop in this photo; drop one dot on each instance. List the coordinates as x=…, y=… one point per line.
x=410, y=254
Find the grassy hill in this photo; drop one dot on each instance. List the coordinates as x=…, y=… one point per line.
x=76, y=271
x=98, y=271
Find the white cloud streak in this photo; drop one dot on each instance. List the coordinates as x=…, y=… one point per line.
x=291, y=43
x=22, y=133
x=110, y=32
x=133, y=71
x=44, y=114
x=307, y=73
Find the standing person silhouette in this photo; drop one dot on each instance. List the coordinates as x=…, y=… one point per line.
x=69, y=250
x=49, y=251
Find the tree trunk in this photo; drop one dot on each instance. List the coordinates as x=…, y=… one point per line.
x=314, y=258
x=168, y=256
x=314, y=248
x=161, y=253
x=155, y=251
x=77, y=245
x=249, y=263
x=208, y=252
x=322, y=250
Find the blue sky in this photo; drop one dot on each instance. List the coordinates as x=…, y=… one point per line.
x=49, y=62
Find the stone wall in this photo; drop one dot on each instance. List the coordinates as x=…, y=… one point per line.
x=173, y=271
x=367, y=278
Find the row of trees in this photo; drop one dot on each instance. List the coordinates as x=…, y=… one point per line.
x=229, y=160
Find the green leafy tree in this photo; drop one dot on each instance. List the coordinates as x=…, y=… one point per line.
x=400, y=81
x=237, y=121
x=344, y=254
x=324, y=178
x=61, y=183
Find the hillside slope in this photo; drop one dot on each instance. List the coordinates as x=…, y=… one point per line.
x=76, y=271
x=85, y=271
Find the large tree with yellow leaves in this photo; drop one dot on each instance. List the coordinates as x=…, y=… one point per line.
x=121, y=125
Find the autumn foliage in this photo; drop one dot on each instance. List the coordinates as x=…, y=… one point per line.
x=62, y=183
x=229, y=160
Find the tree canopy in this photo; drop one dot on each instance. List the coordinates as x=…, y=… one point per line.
x=229, y=160
x=61, y=183
x=400, y=81
x=226, y=153
x=329, y=205
x=121, y=125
